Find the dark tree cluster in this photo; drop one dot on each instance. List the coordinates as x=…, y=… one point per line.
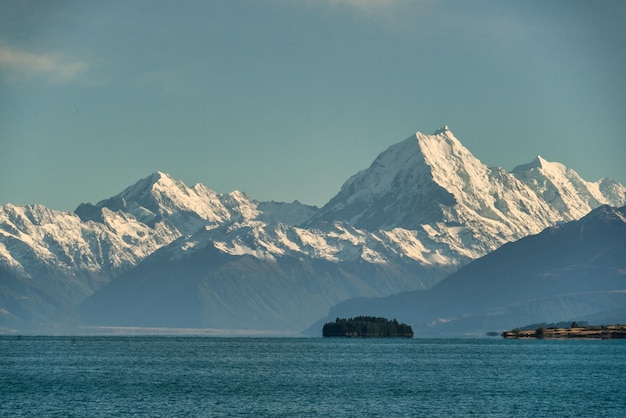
x=366, y=326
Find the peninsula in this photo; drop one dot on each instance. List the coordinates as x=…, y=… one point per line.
x=572, y=332
x=367, y=326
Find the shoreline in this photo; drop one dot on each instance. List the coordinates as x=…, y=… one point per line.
x=599, y=332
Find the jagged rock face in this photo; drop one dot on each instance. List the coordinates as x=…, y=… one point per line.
x=424, y=208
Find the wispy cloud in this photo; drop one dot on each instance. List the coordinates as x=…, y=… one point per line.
x=17, y=65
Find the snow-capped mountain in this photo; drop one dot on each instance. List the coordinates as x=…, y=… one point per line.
x=433, y=184
x=71, y=255
x=159, y=198
x=424, y=208
x=565, y=191
x=573, y=271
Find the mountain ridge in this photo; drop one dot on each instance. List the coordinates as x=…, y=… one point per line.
x=572, y=271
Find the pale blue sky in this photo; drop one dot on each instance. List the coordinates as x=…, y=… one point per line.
x=285, y=99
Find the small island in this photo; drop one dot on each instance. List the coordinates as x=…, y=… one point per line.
x=573, y=331
x=367, y=327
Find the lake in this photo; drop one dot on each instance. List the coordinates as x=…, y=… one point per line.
x=210, y=376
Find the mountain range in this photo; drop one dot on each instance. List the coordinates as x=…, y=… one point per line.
x=570, y=272
x=161, y=253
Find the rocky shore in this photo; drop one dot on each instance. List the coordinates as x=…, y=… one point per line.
x=587, y=332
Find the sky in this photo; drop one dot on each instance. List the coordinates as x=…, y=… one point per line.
x=286, y=99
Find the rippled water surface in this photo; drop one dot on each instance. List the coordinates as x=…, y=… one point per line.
x=206, y=376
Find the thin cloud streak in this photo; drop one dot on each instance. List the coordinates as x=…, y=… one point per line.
x=16, y=65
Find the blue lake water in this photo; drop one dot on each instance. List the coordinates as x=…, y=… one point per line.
x=208, y=376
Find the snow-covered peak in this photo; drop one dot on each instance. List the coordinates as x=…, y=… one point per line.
x=565, y=191
x=241, y=205
x=161, y=189
x=442, y=144
x=408, y=184
x=144, y=187
x=380, y=176
x=432, y=181
x=540, y=163
x=452, y=165
x=444, y=130
x=158, y=197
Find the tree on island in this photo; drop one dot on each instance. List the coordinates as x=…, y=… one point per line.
x=366, y=326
